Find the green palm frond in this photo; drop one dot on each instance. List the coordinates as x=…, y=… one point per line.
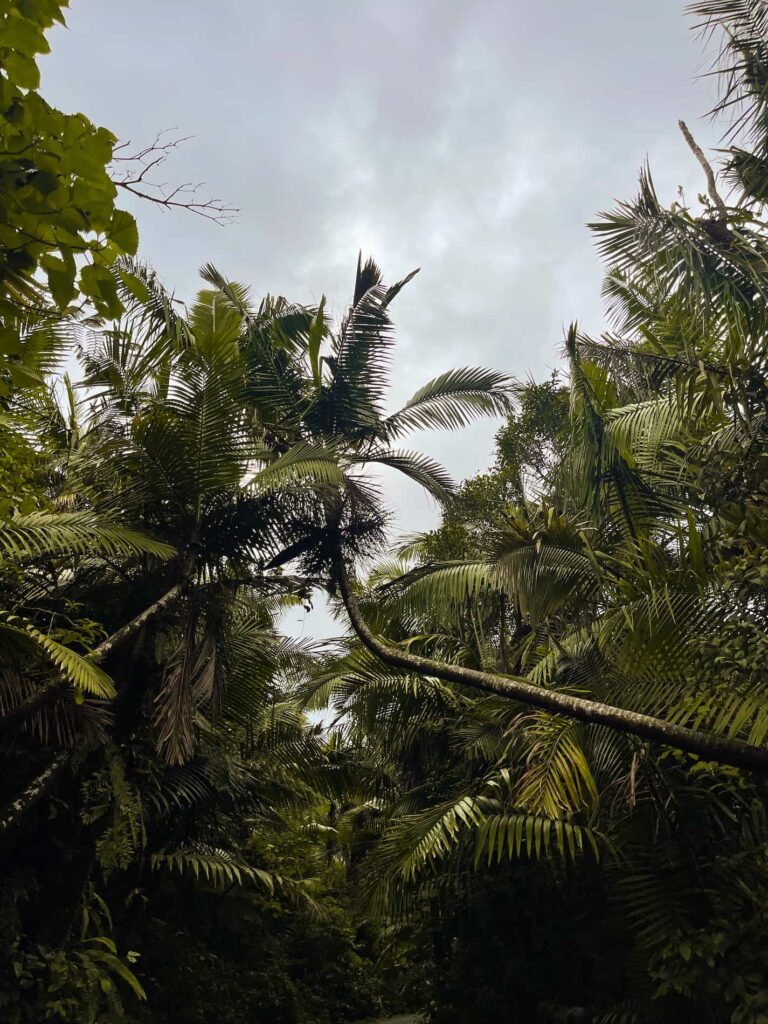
x=477, y=824
x=741, y=61
x=543, y=577
x=725, y=711
x=76, y=669
x=557, y=778
x=362, y=351
x=41, y=534
x=453, y=400
x=516, y=833
x=152, y=315
x=305, y=461
x=597, y=475
x=644, y=430
x=658, y=628
x=236, y=294
x=429, y=836
x=427, y=588
x=422, y=469
x=215, y=866
x=216, y=321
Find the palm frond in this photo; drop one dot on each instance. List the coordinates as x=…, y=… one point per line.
x=41, y=534
x=420, y=468
x=305, y=461
x=215, y=866
x=453, y=400
x=513, y=834
x=75, y=668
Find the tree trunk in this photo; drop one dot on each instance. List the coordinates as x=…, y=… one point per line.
x=706, y=745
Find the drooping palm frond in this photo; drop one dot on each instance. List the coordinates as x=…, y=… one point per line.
x=188, y=682
x=544, y=577
x=84, y=533
x=75, y=668
x=425, y=589
x=215, y=866
x=557, y=778
x=420, y=468
x=429, y=836
x=64, y=723
x=513, y=834
x=452, y=400
x=466, y=830
x=652, y=433
x=305, y=461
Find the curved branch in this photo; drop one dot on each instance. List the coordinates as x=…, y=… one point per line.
x=134, y=176
x=706, y=745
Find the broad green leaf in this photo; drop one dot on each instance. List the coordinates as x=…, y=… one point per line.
x=123, y=232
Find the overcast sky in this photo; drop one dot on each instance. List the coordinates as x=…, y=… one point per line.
x=471, y=138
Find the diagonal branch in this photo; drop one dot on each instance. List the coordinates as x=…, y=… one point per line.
x=35, y=791
x=135, y=171
x=58, y=685
x=706, y=745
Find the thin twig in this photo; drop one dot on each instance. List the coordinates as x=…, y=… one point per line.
x=134, y=178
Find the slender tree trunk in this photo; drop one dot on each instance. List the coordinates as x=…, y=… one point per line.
x=57, y=686
x=35, y=791
x=706, y=745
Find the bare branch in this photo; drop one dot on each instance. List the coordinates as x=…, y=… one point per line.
x=34, y=792
x=132, y=170
x=707, y=167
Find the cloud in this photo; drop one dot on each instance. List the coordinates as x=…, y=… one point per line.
x=473, y=140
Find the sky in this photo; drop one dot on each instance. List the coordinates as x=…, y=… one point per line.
x=471, y=138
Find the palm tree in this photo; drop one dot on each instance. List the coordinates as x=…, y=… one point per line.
x=660, y=496
x=633, y=579
x=204, y=457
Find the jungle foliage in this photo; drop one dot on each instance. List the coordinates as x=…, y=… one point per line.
x=516, y=785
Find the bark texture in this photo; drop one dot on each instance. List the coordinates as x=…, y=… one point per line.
x=35, y=791
x=706, y=745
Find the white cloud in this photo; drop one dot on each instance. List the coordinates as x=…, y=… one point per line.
x=473, y=140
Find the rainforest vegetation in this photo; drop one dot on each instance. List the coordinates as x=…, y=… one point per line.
x=528, y=781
